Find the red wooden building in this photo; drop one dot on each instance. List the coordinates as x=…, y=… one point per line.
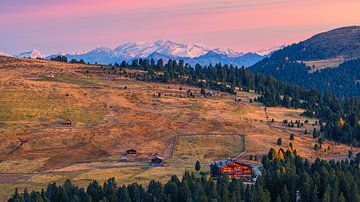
x=234, y=170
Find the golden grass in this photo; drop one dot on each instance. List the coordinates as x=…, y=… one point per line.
x=26, y=105
x=109, y=119
x=21, y=166
x=321, y=64
x=207, y=148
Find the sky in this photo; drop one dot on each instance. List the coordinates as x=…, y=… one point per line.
x=242, y=25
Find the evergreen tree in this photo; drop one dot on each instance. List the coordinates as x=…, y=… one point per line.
x=292, y=136
x=197, y=166
x=285, y=194
x=123, y=194
x=95, y=191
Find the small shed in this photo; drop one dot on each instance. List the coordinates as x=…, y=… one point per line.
x=156, y=160
x=211, y=93
x=131, y=151
x=123, y=158
x=50, y=75
x=68, y=122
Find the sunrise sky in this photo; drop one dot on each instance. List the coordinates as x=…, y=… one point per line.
x=242, y=25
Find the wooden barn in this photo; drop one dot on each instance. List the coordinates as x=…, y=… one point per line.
x=50, y=75
x=233, y=169
x=67, y=122
x=131, y=151
x=156, y=160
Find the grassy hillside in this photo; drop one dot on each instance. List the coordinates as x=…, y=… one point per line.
x=113, y=113
x=341, y=42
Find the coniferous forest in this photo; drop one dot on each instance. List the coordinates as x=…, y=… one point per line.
x=287, y=64
x=342, y=80
x=289, y=178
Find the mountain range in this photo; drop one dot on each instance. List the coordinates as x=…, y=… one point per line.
x=160, y=49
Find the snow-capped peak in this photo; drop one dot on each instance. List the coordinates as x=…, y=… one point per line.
x=170, y=48
x=160, y=49
x=5, y=54
x=31, y=54
x=79, y=52
x=229, y=52
x=267, y=51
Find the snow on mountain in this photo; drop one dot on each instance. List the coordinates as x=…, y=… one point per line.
x=142, y=49
x=101, y=55
x=62, y=52
x=31, y=54
x=267, y=51
x=5, y=54
x=166, y=50
x=229, y=52
x=213, y=57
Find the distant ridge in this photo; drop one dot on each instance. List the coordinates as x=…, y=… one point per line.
x=329, y=61
x=166, y=50
x=5, y=54
x=31, y=54
x=160, y=49
x=341, y=42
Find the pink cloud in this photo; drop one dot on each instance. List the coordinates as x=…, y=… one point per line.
x=242, y=24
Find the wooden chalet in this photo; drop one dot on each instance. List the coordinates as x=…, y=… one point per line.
x=233, y=169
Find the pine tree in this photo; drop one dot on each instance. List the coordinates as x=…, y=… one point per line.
x=123, y=194
x=197, y=166
x=95, y=191
x=171, y=190
x=327, y=194
x=314, y=197
x=315, y=133
x=278, y=198
x=292, y=136
x=134, y=192
x=285, y=194
x=155, y=191
x=184, y=191
x=271, y=154
x=110, y=189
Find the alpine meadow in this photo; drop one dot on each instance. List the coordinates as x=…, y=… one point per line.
x=151, y=101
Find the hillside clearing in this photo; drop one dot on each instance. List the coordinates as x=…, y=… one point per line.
x=111, y=115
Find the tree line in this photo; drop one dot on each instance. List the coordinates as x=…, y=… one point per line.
x=61, y=58
x=342, y=80
x=286, y=177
